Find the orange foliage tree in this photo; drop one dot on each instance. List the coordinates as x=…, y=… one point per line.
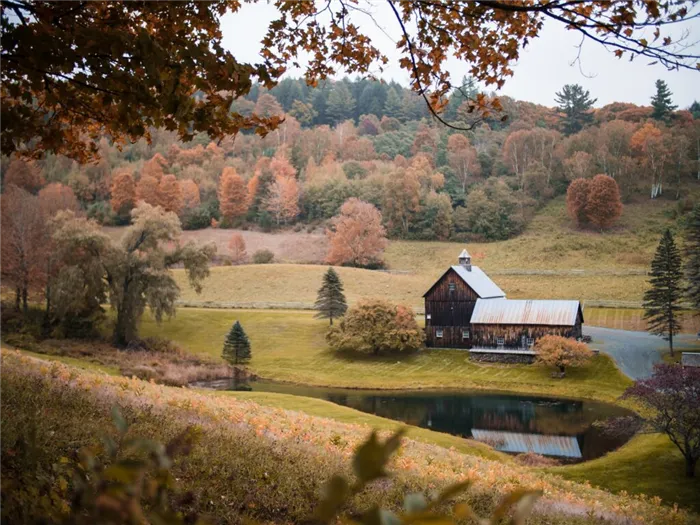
x=170, y=194
x=236, y=247
x=402, y=198
x=648, y=143
x=233, y=195
x=577, y=199
x=560, y=352
x=356, y=235
x=24, y=174
x=147, y=190
x=56, y=197
x=123, y=193
x=603, y=205
x=190, y=194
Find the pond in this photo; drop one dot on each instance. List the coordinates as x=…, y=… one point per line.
x=559, y=428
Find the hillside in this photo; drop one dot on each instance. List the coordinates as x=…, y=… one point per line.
x=273, y=455
x=587, y=265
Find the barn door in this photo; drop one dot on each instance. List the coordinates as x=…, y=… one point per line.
x=523, y=341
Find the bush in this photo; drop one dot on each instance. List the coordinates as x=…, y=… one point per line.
x=263, y=257
x=196, y=218
x=376, y=326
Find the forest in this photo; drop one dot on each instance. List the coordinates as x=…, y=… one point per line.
x=481, y=178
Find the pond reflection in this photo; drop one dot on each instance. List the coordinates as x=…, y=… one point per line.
x=561, y=428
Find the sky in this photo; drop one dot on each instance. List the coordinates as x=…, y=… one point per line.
x=545, y=65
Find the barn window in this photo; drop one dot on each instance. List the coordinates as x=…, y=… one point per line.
x=500, y=341
x=465, y=334
x=530, y=341
x=438, y=334
x=451, y=287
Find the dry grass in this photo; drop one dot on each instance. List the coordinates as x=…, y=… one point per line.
x=266, y=463
x=162, y=363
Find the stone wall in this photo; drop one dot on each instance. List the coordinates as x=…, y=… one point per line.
x=502, y=358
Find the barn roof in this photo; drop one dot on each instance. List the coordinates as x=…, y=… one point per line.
x=517, y=311
x=563, y=446
x=477, y=280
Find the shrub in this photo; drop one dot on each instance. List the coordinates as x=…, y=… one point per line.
x=196, y=218
x=376, y=326
x=263, y=257
x=560, y=352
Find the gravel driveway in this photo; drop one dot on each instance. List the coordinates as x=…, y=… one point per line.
x=634, y=352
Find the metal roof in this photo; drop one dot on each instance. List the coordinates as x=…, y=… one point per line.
x=478, y=281
x=517, y=311
x=563, y=446
x=690, y=359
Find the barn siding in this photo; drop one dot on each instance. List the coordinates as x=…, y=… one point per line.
x=486, y=335
x=448, y=311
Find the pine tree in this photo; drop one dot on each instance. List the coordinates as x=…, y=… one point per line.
x=575, y=103
x=330, y=302
x=661, y=102
x=341, y=103
x=692, y=252
x=662, y=300
x=236, y=345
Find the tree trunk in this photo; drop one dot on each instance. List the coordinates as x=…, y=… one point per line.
x=119, y=337
x=18, y=295
x=562, y=371
x=690, y=466
x=25, y=304
x=670, y=341
x=331, y=318
x=47, y=313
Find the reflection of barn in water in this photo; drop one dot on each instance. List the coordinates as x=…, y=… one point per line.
x=508, y=423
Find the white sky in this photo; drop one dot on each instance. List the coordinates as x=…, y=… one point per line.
x=544, y=66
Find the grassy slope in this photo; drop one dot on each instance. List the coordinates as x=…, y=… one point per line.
x=549, y=243
x=290, y=346
x=649, y=464
x=272, y=455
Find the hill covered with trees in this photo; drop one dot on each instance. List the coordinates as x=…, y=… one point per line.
x=378, y=142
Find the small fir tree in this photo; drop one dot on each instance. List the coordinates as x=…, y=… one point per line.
x=661, y=102
x=662, y=300
x=692, y=252
x=236, y=345
x=330, y=302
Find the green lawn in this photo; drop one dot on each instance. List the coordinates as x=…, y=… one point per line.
x=649, y=464
x=290, y=346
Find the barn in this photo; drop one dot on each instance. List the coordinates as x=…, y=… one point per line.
x=466, y=309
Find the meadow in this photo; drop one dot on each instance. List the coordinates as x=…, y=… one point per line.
x=290, y=346
x=267, y=463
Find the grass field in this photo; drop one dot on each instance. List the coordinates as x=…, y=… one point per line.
x=290, y=346
x=647, y=459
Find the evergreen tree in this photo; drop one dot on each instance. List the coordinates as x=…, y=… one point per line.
x=575, y=103
x=330, y=302
x=341, y=103
x=662, y=300
x=236, y=345
x=692, y=252
x=661, y=102
x=695, y=109
x=392, y=107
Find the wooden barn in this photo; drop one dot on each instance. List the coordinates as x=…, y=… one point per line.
x=466, y=309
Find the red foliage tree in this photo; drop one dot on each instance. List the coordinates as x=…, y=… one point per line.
x=22, y=243
x=24, y=174
x=356, y=236
x=236, y=247
x=672, y=395
x=603, y=205
x=577, y=199
x=233, y=195
x=56, y=197
x=123, y=192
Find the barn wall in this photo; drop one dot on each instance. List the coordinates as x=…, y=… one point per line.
x=448, y=310
x=486, y=334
